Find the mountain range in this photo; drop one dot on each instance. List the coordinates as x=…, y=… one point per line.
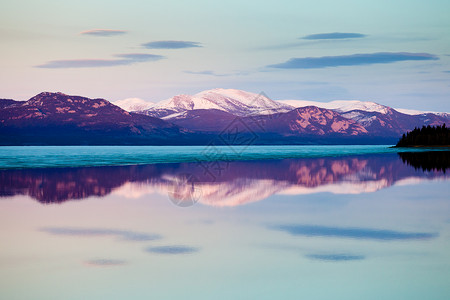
x=210, y=116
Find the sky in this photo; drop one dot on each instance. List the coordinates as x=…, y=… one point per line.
x=395, y=53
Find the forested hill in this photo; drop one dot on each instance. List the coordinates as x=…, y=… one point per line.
x=426, y=136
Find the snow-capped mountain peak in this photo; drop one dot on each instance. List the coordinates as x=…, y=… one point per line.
x=133, y=104
x=341, y=105
x=239, y=103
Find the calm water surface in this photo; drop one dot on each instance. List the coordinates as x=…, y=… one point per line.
x=354, y=222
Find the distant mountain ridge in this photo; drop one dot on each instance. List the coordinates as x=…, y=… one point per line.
x=376, y=119
x=57, y=118
x=340, y=105
x=236, y=102
x=60, y=119
x=173, y=104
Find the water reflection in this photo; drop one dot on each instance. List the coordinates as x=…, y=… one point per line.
x=236, y=183
x=131, y=243
x=427, y=161
x=96, y=232
x=353, y=233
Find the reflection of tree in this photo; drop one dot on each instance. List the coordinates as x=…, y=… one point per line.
x=427, y=161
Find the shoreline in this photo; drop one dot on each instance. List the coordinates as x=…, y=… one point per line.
x=422, y=146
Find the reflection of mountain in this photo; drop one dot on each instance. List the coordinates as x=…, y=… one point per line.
x=221, y=183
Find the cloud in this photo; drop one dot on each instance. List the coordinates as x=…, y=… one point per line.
x=353, y=233
x=212, y=73
x=104, y=262
x=178, y=249
x=446, y=71
x=352, y=60
x=137, y=57
x=335, y=257
x=95, y=232
x=333, y=36
x=103, y=32
x=206, y=72
x=124, y=59
x=171, y=45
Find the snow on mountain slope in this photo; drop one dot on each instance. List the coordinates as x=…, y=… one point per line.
x=414, y=112
x=242, y=103
x=343, y=106
x=236, y=102
x=133, y=104
x=340, y=105
x=378, y=119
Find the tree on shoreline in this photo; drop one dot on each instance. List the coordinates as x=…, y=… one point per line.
x=426, y=136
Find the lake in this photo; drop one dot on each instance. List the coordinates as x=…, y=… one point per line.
x=208, y=222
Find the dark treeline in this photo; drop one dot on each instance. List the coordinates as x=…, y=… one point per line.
x=426, y=136
x=427, y=161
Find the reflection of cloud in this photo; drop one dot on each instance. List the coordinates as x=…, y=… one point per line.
x=333, y=35
x=103, y=32
x=123, y=59
x=104, y=262
x=354, y=233
x=86, y=232
x=352, y=60
x=171, y=45
x=176, y=249
x=335, y=257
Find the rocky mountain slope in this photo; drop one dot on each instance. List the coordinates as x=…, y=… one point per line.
x=201, y=112
x=57, y=118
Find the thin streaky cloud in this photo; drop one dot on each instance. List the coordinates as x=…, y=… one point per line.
x=206, y=72
x=124, y=59
x=172, y=250
x=140, y=56
x=171, y=45
x=212, y=73
x=335, y=257
x=352, y=60
x=103, y=32
x=333, y=36
x=105, y=262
